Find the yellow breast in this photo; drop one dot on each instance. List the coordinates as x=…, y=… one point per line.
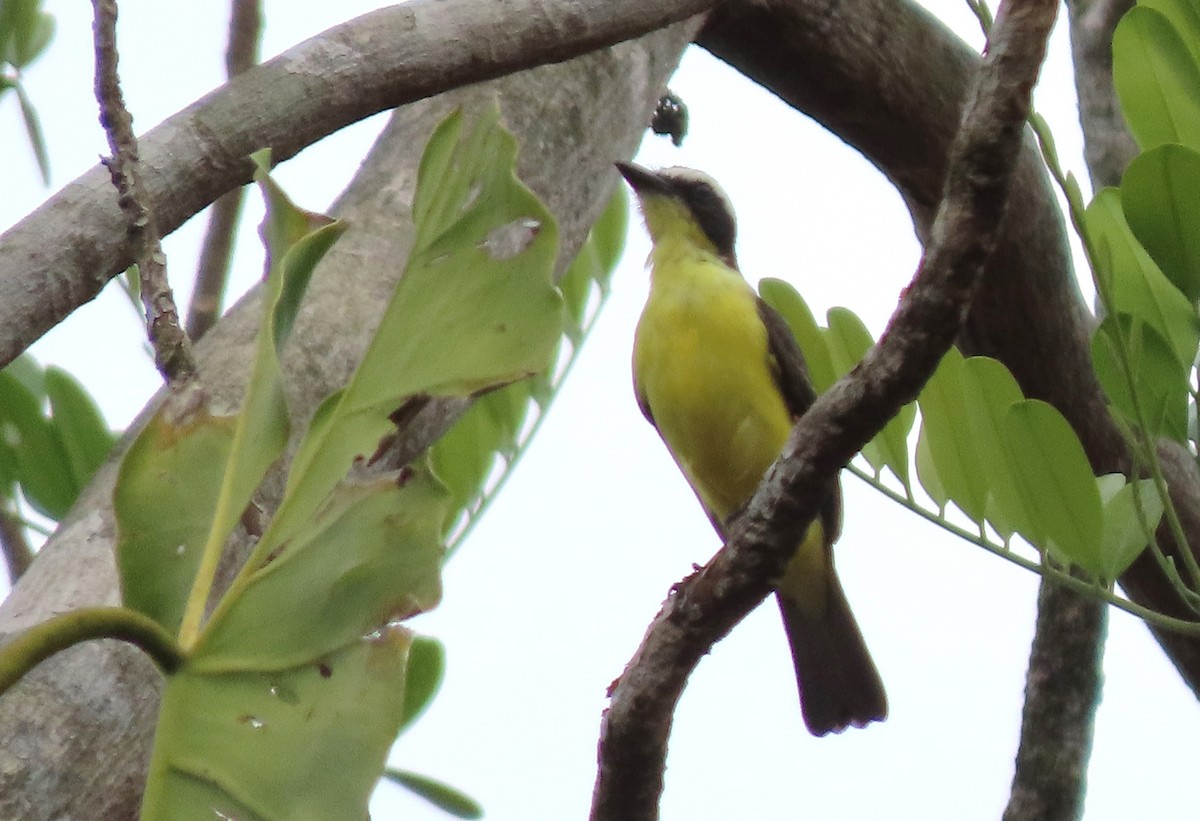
x=701, y=364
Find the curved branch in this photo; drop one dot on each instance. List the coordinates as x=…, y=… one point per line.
x=64, y=252
x=39, y=643
x=890, y=79
x=707, y=605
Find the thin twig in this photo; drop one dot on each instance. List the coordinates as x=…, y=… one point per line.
x=18, y=554
x=172, y=349
x=704, y=607
x=212, y=275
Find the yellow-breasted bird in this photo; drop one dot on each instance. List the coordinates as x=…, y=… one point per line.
x=719, y=375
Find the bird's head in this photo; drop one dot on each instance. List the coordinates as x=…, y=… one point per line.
x=684, y=204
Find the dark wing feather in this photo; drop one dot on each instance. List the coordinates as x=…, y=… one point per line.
x=791, y=375
x=643, y=401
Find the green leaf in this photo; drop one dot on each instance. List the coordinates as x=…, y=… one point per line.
x=474, y=310
x=442, y=796
x=1184, y=17
x=1056, y=484
x=1138, y=287
x=25, y=31
x=1157, y=80
x=426, y=668
x=80, y=426
x=609, y=233
x=161, y=548
x=791, y=306
x=1160, y=196
x=927, y=471
x=988, y=392
x=18, y=19
x=296, y=689
x=1124, y=538
x=29, y=373
x=372, y=555
x=1160, y=381
x=165, y=497
x=305, y=743
x=463, y=457
x=951, y=445
x=43, y=464
x=849, y=340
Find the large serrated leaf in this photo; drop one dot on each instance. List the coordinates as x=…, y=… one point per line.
x=304, y=664
x=164, y=500
x=474, y=309
x=301, y=744
x=160, y=548
x=1056, y=484
x=371, y=555
x=465, y=456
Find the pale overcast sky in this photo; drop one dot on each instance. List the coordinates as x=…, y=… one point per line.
x=552, y=593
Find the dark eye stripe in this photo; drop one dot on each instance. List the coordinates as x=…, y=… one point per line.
x=711, y=210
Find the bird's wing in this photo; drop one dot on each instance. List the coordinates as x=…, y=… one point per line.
x=643, y=400
x=791, y=375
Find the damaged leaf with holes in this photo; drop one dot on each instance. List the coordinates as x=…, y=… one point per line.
x=475, y=309
x=295, y=692
x=191, y=472
x=302, y=663
x=494, y=427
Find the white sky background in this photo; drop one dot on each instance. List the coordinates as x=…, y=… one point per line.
x=552, y=593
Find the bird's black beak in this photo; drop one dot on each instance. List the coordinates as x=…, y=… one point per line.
x=642, y=180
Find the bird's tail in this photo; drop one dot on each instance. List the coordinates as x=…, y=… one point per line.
x=839, y=685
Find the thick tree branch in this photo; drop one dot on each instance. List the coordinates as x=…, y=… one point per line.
x=62, y=255
x=890, y=80
x=245, y=31
x=1107, y=143
x=172, y=348
x=1062, y=691
x=707, y=605
x=77, y=730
